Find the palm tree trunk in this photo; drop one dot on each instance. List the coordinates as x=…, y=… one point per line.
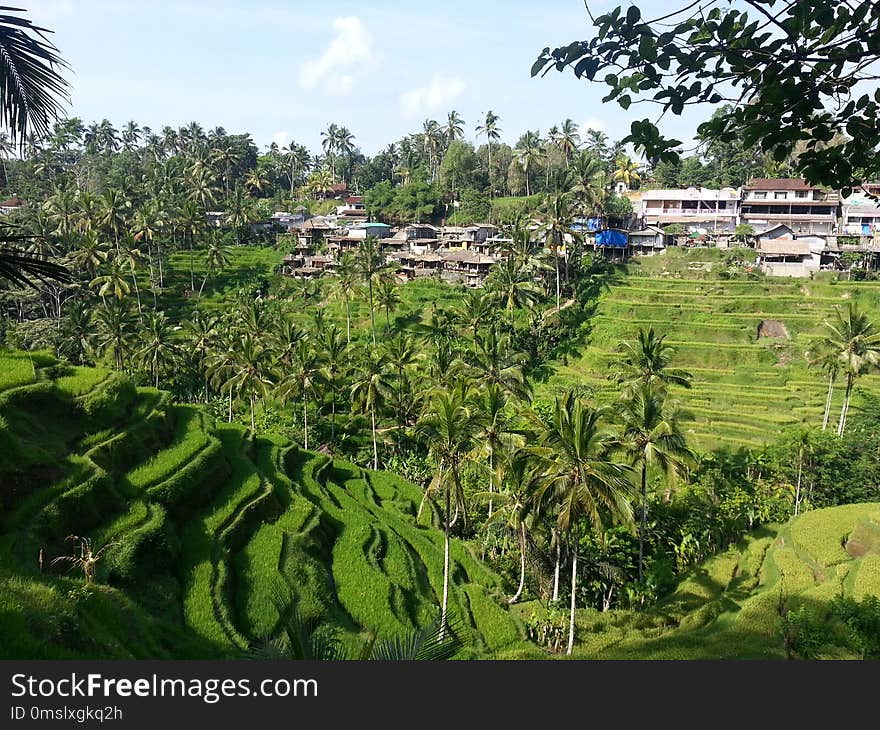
x=491, y=478
x=522, y=563
x=347, y=321
x=137, y=291
x=229, y=418
x=333, y=417
x=643, y=521
x=828, y=401
x=556, y=261
x=253, y=420
x=844, y=411
x=204, y=281
x=305, y=424
x=797, y=489
x=443, y=611
x=372, y=313
x=206, y=385
x=556, y=568
x=574, y=563
x=375, y=447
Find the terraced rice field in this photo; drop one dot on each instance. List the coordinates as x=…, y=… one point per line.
x=745, y=388
x=206, y=521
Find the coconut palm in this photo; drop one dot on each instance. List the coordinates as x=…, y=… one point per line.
x=130, y=257
x=249, y=372
x=583, y=481
x=433, y=138
x=626, y=171
x=216, y=259
x=301, y=381
x=512, y=286
x=646, y=361
x=113, y=282
x=856, y=340
x=201, y=338
x=113, y=328
x=489, y=366
x=346, y=285
x=557, y=215
x=473, y=311
x=527, y=153
x=568, y=139
x=447, y=427
x=158, y=352
x=369, y=263
x=334, y=357
x=387, y=297
x=88, y=254
x=651, y=437
x=824, y=355
x=454, y=127
x=369, y=390
x=491, y=131
x=521, y=478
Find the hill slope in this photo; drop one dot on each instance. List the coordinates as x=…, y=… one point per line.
x=745, y=387
x=206, y=519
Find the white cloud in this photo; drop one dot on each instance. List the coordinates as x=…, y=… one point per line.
x=594, y=123
x=350, y=50
x=435, y=96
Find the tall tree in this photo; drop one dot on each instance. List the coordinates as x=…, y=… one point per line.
x=369, y=390
x=583, y=480
x=492, y=132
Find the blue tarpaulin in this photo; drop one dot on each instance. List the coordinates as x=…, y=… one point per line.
x=613, y=238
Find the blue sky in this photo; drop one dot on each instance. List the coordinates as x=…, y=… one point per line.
x=285, y=70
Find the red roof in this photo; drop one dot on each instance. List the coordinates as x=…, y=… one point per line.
x=782, y=183
x=340, y=188
x=13, y=202
x=355, y=199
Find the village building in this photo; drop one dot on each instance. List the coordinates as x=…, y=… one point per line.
x=696, y=209
x=782, y=252
x=647, y=241
x=802, y=207
x=313, y=231
x=11, y=205
x=860, y=216
x=465, y=267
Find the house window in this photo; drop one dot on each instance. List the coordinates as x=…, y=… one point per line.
x=780, y=196
x=760, y=195
x=800, y=193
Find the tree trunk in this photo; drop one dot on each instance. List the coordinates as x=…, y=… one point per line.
x=643, y=521
x=522, y=563
x=445, y=568
x=206, y=385
x=333, y=418
x=204, y=281
x=305, y=424
x=491, y=479
x=372, y=313
x=574, y=563
x=375, y=447
x=229, y=419
x=347, y=321
x=253, y=421
x=137, y=291
x=844, y=411
x=797, y=489
x=556, y=569
x=828, y=401
x=556, y=261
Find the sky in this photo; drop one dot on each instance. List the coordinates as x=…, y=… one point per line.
x=284, y=71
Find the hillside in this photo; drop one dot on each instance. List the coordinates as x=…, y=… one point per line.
x=745, y=387
x=206, y=518
x=729, y=606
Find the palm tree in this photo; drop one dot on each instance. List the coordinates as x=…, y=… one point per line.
x=446, y=426
x=568, y=139
x=130, y=255
x=239, y=212
x=88, y=254
x=490, y=367
x=114, y=328
x=32, y=90
x=556, y=220
x=345, y=147
x=652, y=437
x=401, y=352
x=158, y=352
x=824, y=355
x=489, y=128
x=114, y=205
x=388, y=298
x=113, y=282
x=626, y=171
x=582, y=480
x=493, y=429
x=589, y=183
x=216, y=259
x=432, y=139
x=510, y=282
x=473, y=311
x=521, y=478
x=856, y=341
x=334, y=358
x=369, y=263
x=302, y=381
x=249, y=375
x=346, y=286
x=528, y=151
x=329, y=140
x=369, y=389
x=299, y=159
x=646, y=361
x=454, y=127
x=202, y=332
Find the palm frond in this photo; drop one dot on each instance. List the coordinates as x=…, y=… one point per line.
x=30, y=83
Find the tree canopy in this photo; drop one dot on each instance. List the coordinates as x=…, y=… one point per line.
x=795, y=74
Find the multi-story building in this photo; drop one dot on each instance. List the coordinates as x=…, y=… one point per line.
x=860, y=214
x=697, y=209
x=802, y=207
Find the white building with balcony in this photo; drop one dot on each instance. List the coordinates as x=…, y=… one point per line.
x=805, y=209
x=704, y=210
